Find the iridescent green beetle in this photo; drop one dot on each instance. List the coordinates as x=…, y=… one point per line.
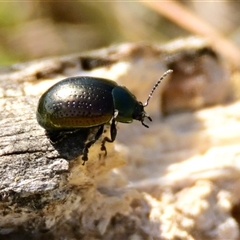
x=85, y=102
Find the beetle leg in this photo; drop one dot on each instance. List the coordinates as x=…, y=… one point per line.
x=113, y=132
x=90, y=143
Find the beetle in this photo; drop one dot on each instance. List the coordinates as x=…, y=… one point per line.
x=90, y=102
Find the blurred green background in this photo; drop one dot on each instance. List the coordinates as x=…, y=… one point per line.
x=37, y=29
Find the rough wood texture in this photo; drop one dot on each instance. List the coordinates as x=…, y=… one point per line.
x=179, y=179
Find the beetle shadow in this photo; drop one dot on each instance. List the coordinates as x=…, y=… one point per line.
x=70, y=144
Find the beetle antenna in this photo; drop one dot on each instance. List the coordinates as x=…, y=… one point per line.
x=156, y=85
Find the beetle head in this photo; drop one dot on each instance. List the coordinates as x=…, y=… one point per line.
x=140, y=115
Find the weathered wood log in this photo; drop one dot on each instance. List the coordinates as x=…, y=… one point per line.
x=178, y=169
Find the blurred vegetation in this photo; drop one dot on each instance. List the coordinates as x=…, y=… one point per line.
x=36, y=29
